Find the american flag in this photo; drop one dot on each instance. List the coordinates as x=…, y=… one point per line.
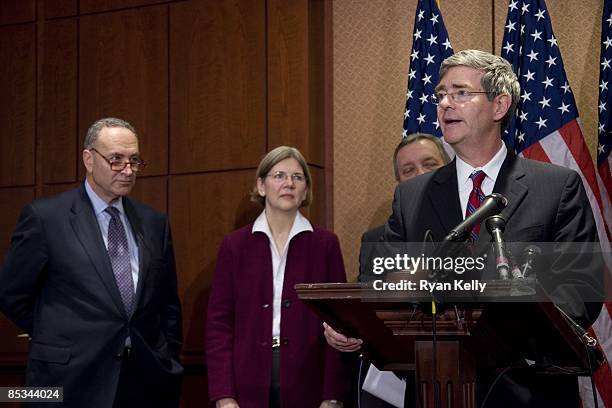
x=430, y=46
x=547, y=128
x=604, y=158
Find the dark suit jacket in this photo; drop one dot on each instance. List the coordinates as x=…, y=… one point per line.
x=57, y=284
x=546, y=203
x=368, y=245
x=239, y=323
x=369, y=239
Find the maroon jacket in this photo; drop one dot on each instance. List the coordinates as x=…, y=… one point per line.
x=239, y=324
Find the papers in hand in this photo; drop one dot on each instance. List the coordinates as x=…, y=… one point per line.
x=385, y=385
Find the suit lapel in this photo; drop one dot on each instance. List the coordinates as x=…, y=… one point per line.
x=444, y=197
x=509, y=184
x=144, y=253
x=85, y=226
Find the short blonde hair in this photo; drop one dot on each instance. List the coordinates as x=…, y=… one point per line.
x=270, y=160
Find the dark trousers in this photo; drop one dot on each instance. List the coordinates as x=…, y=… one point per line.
x=275, y=398
x=526, y=389
x=133, y=391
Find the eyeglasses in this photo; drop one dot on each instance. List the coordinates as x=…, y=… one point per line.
x=116, y=164
x=459, y=96
x=281, y=176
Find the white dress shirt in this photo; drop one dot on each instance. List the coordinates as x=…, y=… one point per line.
x=491, y=169
x=279, y=261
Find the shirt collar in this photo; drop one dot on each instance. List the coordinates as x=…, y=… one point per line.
x=98, y=203
x=491, y=169
x=300, y=224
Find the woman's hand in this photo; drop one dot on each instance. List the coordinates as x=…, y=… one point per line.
x=339, y=341
x=226, y=403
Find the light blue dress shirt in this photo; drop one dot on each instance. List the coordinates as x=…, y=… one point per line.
x=104, y=218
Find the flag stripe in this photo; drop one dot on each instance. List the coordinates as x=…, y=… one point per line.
x=605, y=170
x=601, y=328
x=602, y=379
x=555, y=148
x=536, y=152
x=559, y=155
x=571, y=133
x=607, y=206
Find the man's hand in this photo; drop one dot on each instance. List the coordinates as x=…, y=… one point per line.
x=331, y=404
x=339, y=341
x=226, y=403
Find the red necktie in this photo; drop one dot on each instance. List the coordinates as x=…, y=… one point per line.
x=475, y=199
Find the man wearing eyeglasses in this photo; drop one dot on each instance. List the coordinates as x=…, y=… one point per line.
x=90, y=276
x=476, y=98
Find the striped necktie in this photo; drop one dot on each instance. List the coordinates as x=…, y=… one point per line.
x=475, y=199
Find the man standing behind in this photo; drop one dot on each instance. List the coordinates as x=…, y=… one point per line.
x=90, y=276
x=416, y=154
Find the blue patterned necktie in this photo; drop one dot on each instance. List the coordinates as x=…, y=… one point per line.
x=119, y=254
x=475, y=199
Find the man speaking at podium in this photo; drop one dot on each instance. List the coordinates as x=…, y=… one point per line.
x=476, y=98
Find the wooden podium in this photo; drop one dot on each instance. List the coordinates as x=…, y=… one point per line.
x=397, y=331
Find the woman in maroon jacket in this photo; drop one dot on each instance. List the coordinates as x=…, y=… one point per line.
x=264, y=347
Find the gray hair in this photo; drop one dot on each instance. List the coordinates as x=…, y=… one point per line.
x=413, y=137
x=94, y=130
x=498, y=76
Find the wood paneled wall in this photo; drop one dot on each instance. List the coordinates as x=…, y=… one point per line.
x=210, y=86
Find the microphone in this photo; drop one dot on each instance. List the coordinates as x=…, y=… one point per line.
x=496, y=225
x=492, y=205
x=530, y=254
x=516, y=273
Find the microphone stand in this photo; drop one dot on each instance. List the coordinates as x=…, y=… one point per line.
x=434, y=276
x=496, y=225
